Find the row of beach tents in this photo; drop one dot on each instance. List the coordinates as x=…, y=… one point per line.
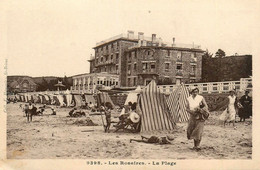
x=68, y=100
x=157, y=111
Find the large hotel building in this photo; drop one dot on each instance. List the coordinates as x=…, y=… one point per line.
x=134, y=60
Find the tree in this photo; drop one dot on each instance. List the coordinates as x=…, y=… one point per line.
x=206, y=66
x=220, y=54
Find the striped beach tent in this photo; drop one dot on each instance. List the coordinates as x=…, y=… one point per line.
x=68, y=99
x=103, y=97
x=153, y=108
x=61, y=99
x=90, y=98
x=78, y=100
x=55, y=98
x=177, y=104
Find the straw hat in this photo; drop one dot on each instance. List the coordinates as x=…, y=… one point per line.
x=134, y=117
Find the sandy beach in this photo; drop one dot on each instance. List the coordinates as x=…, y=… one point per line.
x=62, y=137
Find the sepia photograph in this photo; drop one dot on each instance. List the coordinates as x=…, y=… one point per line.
x=119, y=83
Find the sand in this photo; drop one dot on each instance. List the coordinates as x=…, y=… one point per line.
x=50, y=137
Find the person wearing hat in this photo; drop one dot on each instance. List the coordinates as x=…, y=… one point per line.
x=198, y=110
x=155, y=140
x=246, y=110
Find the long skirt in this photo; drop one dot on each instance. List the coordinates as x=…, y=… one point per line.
x=195, y=128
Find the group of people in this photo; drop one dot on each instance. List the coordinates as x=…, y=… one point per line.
x=199, y=113
x=198, y=109
x=241, y=107
x=30, y=109
x=128, y=117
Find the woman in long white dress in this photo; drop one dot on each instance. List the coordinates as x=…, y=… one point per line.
x=231, y=108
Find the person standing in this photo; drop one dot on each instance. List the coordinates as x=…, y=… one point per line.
x=231, y=108
x=196, y=105
x=246, y=111
x=108, y=108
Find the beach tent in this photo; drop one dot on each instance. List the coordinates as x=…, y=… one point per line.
x=55, y=98
x=61, y=99
x=47, y=98
x=153, y=109
x=77, y=100
x=22, y=98
x=68, y=99
x=41, y=98
x=26, y=98
x=132, y=96
x=103, y=97
x=177, y=104
x=90, y=98
x=35, y=98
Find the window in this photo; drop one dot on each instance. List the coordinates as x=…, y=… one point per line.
x=117, y=56
x=135, y=81
x=179, y=67
x=133, y=54
x=148, y=52
x=145, y=66
x=129, y=82
x=193, y=69
x=117, y=71
x=129, y=69
x=169, y=53
x=112, y=45
x=167, y=67
x=101, y=59
x=106, y=58
x=179, y=56
x=129, y=57
x=193, y=57
x=135, y=67
x=152, y=67
x=112, y=56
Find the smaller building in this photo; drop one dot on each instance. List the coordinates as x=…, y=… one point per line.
x=18, y=84
x=91, y=82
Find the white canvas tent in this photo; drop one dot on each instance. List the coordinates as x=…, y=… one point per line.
x=133, y=95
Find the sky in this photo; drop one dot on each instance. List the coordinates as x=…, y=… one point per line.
x=56, y=37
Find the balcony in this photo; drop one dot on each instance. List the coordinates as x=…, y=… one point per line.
x=193, y=61
x=105, y=52
x=179, y=73
x=149, y=71
x=192, y=74
x=109, y=62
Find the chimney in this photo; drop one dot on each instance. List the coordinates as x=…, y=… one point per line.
x=153, y=37
x=139, y=43
x=144, y=43
x=130, y=34
x=173, y=41
x=140, y=35
x=160, y=42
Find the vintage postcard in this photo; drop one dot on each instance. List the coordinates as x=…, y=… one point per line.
x=129, y=84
